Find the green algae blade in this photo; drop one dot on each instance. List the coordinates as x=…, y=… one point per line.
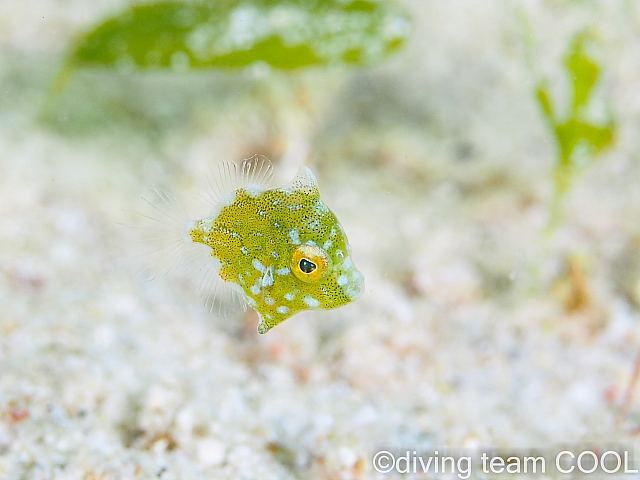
x=286, y=34
x=575, y=130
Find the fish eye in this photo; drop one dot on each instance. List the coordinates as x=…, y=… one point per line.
x=309, y=263
x=307, y=266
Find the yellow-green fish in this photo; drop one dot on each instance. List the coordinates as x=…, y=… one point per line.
x=283, y=249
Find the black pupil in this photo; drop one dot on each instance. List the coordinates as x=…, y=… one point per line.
x=306, y=266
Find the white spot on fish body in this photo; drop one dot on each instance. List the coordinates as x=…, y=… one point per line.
x=258, y=265
x=339, y=254
x=283, y=271
x=294, y=236
x=334, y=232
x=327, y=245
x=311, y=242
x=255, y=288
x=206, y=225
x=343, y=280
x=290, y=296
x=254, y=191
x=269, y=301
x=244, y=250
x=283, y=310
x=320, y=207
x=275, y=255
x=310, y=301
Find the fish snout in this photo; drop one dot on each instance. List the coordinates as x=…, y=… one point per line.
x=350, y=279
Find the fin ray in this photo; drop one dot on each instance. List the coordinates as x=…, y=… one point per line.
x=162, y=245
x=255, y=171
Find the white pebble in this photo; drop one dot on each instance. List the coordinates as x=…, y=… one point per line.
x=211, y=452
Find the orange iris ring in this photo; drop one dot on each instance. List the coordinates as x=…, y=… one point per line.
x=317, y=256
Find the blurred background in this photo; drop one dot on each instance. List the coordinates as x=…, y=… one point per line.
x=481, y=156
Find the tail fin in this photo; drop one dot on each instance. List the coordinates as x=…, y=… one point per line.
x=163, y=247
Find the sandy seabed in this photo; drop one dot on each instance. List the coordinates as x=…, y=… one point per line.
x=477, y=331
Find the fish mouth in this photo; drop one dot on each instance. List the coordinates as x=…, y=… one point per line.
x=356, y=288
x=350, y=279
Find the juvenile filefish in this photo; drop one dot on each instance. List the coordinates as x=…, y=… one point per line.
x=283, y=249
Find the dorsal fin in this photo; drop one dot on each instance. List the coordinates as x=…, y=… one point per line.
x=255, y=171
x=303, y=181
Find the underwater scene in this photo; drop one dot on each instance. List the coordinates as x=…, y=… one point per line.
x=319, y=239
